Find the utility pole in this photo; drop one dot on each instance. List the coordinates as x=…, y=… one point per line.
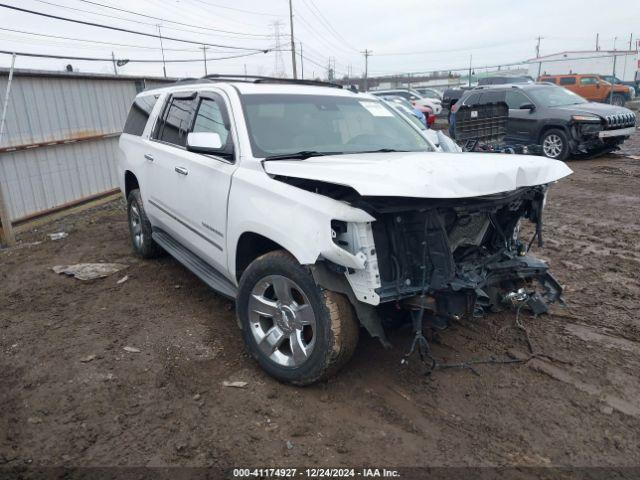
x=597, y=42
x=293, y=43
x=245, y=69
x=630, y=44
x=164, y=65
x=5, y=214
x=367, y=54
x=204, y=56
x=614, y=43
x=278, y=61
x=301, y=62
x=538, y=46
x=470, y=60
x=113, y=59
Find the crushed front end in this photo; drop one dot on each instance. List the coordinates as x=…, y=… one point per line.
x=457, y=257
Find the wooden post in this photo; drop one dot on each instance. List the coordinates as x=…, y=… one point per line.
x=5, y=214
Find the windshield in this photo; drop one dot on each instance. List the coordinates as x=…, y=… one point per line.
x=554, y=96
x=288, y=124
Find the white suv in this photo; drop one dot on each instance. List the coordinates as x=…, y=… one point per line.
x=319, y=210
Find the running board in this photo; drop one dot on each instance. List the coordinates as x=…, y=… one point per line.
x=199, y=267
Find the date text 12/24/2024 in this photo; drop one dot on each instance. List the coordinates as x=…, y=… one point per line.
x=313, y=473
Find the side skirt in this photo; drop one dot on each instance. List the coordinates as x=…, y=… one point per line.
x=195, y=264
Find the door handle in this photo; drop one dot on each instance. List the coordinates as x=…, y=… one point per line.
x=182, y=171
x=149, y=157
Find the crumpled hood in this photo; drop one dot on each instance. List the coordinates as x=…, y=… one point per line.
x=425, y=174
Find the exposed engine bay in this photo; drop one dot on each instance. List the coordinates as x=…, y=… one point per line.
x=447, y=257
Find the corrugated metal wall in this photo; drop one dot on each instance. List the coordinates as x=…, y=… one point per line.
x=45, y=111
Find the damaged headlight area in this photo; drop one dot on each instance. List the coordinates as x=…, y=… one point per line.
x=452, y=257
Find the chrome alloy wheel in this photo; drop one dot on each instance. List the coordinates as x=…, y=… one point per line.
x=552, y=146
x=136, y=225
x=282, y=321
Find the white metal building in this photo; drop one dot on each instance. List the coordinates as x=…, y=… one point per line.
x=601, y=62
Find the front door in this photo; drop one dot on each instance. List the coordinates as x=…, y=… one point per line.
x=521, y=120
x=590, y=88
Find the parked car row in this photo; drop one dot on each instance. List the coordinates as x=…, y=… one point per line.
x=415, y=97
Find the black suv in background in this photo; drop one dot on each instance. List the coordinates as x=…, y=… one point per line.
x=554, y=119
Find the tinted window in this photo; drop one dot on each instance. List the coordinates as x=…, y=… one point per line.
x=139, y=114
x=492, y=96
x=176, y=122
x=209, y=119
x=472, y=99
x=568, y=81
x=588, y=81
x=515, y=99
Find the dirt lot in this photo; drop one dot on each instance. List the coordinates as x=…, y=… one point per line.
x=166, y=404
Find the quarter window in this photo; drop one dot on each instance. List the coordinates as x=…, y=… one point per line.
x=209, y=119
x=175, y=125
x=139, y=114
x=569, y=80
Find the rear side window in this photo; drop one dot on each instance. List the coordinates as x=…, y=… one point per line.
x=139, y=114
x=493, y=96
x=174, y=126
x=472, y=99
x=568, y=80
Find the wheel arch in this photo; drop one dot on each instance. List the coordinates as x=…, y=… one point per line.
x=251, y=245
x=130, y=182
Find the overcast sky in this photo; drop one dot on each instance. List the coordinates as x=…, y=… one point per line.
x=404, y=35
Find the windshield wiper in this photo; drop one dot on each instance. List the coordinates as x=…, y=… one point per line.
x=381, y=150
x=302, y=155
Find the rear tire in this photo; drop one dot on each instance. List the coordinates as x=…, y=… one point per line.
x=555, y=145
x=140, y=228
x=298, y=332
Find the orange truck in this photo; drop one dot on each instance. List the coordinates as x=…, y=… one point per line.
x=591, y=87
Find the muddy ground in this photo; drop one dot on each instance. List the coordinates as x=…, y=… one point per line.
x=165, y=405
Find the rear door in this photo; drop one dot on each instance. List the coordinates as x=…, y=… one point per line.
x=168, y=146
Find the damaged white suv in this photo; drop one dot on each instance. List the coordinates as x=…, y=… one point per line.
x=319, y=210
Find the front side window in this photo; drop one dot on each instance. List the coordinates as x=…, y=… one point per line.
x=209, y=119
x=516, y=99
x=173, y=128
x=283, y=124
x=554, y=96
x=588, y=81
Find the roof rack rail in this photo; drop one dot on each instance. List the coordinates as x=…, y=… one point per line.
x=189, y=80
x=263, y=79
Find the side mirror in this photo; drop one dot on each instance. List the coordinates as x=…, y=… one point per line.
x=528, y=106
x=204, y=142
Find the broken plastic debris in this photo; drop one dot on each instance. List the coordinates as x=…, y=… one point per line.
x=131, y=349
x=123, y=279
x=234, y=384
x=58, y=235
x=88, y=358
x=89, y=271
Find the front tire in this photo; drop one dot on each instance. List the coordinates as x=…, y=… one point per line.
x=618, y=100
x=140, y=228
x=555, y=144
x=298, y=332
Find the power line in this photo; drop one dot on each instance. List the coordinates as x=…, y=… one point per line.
x=75, y=39
x=238, y=9
x=311, y=6
x=119, y=29
x=110, y=59
x=145, y=16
